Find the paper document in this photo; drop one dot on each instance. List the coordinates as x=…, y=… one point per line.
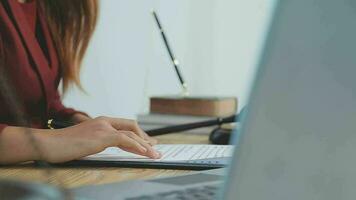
x=170, y=153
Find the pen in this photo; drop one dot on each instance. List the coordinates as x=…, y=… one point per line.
x=174, y=60
x=55, y=124
x=184, y=127
x=189, y=126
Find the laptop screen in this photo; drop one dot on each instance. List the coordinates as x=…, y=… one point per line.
x=299, y=138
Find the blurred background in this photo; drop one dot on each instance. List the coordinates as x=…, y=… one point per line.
x=216, y=41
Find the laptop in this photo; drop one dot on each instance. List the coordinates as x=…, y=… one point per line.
x=298, y=139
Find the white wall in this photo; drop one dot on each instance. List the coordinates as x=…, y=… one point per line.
x=216, y=41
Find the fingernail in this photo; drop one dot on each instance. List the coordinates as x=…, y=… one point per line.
x=143, y=149
x=157, y=154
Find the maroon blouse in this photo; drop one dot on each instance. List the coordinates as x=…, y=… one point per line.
x=31, y=65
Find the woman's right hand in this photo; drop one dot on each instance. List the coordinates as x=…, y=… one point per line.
x=93, y=136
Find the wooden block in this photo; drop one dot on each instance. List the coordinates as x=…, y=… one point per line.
x=198, y=106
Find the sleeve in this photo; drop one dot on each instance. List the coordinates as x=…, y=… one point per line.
x=59, y=111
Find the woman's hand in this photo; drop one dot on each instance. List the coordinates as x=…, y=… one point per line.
x=18, y=144
x=80, y=118
x=93, y=136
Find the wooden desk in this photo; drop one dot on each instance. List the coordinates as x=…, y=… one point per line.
x=74, y=177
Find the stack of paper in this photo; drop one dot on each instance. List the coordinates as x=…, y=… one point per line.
x=155, y=121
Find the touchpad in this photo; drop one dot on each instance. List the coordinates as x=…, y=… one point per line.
x=189, y=179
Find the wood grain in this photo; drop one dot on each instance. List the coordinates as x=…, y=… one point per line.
x=73, y=177
x=198, y=106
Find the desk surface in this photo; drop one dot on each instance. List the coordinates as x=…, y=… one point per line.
x=74, y=177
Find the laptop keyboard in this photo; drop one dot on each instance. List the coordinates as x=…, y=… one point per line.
x=193, y=193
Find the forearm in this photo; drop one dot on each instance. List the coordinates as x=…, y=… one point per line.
x=19, y=144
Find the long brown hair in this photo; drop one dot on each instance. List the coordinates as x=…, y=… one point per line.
x=71, y=23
